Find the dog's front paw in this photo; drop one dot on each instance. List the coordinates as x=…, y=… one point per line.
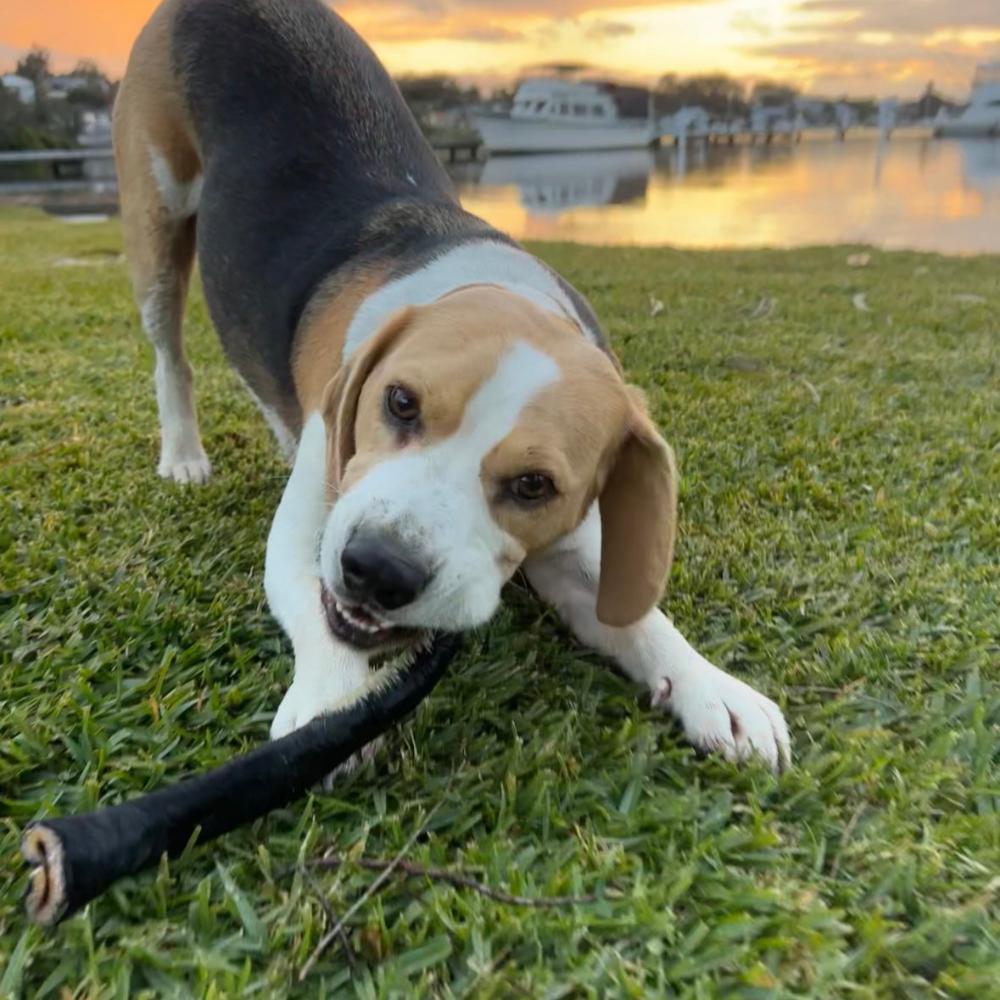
x=193, y=468
x=720, y=713
x=303, y=703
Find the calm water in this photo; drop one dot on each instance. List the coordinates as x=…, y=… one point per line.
x=910, y=192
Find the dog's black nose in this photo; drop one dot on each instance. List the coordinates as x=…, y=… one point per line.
x=377, y=570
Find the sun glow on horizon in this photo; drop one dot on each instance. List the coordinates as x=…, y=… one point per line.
x=833, y=46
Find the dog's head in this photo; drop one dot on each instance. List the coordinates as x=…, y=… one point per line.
x=467, y=435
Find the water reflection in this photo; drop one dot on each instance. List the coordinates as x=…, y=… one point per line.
x=904, y=192
x=982, y=166
x=554, y=183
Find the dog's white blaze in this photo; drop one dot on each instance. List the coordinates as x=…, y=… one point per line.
x=476, y=263
x=179, y=199
x=493, y=411
x=434, y=502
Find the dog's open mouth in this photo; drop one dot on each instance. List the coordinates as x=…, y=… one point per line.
x=361, y=626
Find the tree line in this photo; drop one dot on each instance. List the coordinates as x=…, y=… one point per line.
x=54, y=122
x=53, y=119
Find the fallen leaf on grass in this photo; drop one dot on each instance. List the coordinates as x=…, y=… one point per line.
x=655, y=306
x=859, y=260
x=861, y=302
x=743, y=363
x=373, y=943
x=764, y=308
x=80, y=262
x=968, y=299
x=812, y=390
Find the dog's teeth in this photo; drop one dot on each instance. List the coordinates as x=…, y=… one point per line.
x=369, y=624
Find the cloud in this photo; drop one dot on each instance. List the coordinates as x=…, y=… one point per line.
x=599, y=30
x=906, y=17
x=884, y=46
x=751, y=23
x=550, y=9
x=491, y=33
x=403, y=29
x=487, y=20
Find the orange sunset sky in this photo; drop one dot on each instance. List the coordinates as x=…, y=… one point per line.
x=860, y=47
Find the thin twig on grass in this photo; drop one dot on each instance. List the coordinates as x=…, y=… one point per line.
x=331, y=916
x=845, y=837
x=457, y=879
x=334, y=932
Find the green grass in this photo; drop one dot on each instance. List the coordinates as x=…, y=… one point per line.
x=839, y=549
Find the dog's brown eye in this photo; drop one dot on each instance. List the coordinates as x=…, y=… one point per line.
x=532, y=487
x=403, y=405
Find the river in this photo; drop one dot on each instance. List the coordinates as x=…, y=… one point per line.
x=913, y=192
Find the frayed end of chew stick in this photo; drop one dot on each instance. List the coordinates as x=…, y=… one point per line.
x=45, y=899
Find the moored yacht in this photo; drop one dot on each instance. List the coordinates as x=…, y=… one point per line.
x=551, y=115
x=982, y=116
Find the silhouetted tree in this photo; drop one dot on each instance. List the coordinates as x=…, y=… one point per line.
x=47, y=123
x=96, y=95
x=433, y=91
x=720, y=95
x=24, y=126
x=770, y=94
x=35, y=66
x=931, y=102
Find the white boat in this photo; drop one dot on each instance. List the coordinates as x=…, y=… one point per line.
x=552, y=115
x=982, y=116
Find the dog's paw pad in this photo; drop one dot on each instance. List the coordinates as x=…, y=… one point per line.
x=661, y=694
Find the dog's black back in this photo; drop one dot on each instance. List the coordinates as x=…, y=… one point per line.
x=308, y=148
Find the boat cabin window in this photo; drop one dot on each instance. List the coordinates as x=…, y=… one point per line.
x=579, y=109
x=598, y=110
x=564, y=109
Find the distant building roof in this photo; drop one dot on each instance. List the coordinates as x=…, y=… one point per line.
x=69, y=83
x=20, y=85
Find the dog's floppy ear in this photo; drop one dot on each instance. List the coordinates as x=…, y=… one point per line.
x=340, y=400
x=638, y=522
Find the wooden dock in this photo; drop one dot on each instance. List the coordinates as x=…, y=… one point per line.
x=63, y=165
x=78, y=169
x=454, y=149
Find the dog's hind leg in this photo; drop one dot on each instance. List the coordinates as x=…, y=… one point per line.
x=159, y=176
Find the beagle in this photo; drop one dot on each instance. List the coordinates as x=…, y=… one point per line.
x=452, y=407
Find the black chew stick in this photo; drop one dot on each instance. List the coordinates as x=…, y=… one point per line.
x=76, y=858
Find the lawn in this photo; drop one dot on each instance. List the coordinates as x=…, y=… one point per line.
x=838, y=430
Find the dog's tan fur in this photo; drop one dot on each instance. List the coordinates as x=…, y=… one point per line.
x=150, y=116
x=287, y=285
x=589, y=432
x=319, y=345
